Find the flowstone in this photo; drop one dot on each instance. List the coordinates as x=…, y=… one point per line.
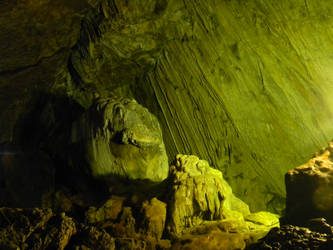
x=199, y=193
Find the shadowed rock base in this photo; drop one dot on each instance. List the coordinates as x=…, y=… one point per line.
x=193, y=209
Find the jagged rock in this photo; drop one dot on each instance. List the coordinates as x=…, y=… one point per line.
x=154, y=216
x=294, y=237
x=92, y=238
x=320, y=225
x=125, y=227
x=17, y=225
x=199, y=193
x=62, y=201
x=110, y=210
x=310, y=189
x=135, y=36
x=120, y=138
x=59, y=234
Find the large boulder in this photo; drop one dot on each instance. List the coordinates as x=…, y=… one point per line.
x=199, y=193
x=310, y=189
x=120, y=138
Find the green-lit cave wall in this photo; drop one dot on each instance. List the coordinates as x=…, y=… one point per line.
x=248, y=88
x=244, y=84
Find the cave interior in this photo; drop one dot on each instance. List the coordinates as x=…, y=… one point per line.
x=166, y=124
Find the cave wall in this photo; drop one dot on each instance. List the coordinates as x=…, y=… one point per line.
x=243, y=84
x=247, y=87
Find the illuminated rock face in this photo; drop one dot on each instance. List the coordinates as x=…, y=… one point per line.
x=199, y=193
x=246, y=86
x=243, y=84
x=120, y=138
x=310, y=189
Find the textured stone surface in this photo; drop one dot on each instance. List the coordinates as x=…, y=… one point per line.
x=110, y=210
x=43, y=229
x=263, y=218
x=246, y=86
x=213, y=240
x=310, y=189
x=120, y=138
x=93, y=238
x=120, y=42
x=293, y=237
x=199, y=193
x=154, y=216
x=225, y=234
x=35, y=43
x=58, y=233
x=243, y=84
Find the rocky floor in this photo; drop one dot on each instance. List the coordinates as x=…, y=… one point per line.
x=43, y=229
x=194, y=208
x=294, y=237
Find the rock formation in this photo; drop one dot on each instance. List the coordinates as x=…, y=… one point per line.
x=199, y=193
x=294, y=237
x=194, y=204
x=154, y=217
x=119, y=138
x=310, y=189
x=246, y=86
x=229, y=81
x=232, y=82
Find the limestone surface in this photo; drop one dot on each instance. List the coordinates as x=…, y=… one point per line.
x=110, y=210
x=230, y=81
x=198, y=193
x=120, y=138
x=154, y=216
x=246, y=86
x=310, y=189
